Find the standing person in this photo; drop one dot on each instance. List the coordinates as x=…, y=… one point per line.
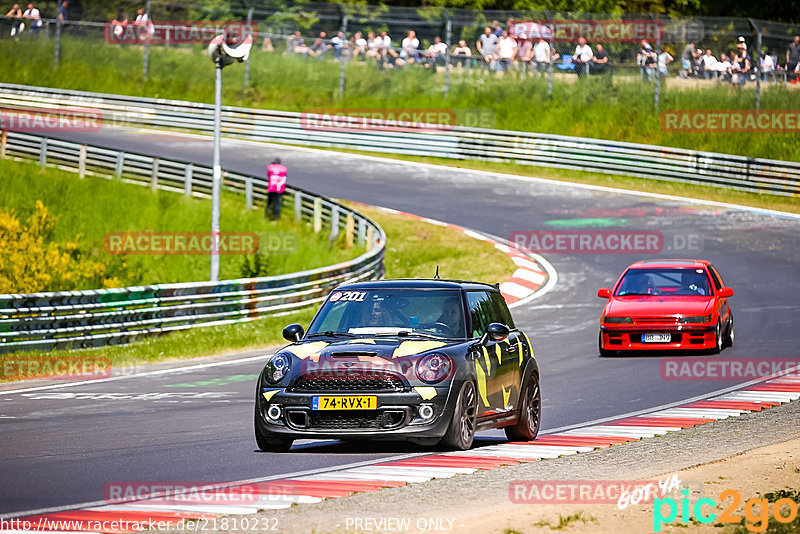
x=664, y=59
x=62, y=11
x=582, y=56
x=339, y=44
x=793, y=55
x=600, y=61
x=525, y=54
x=541, y=55
x=16, y=24
x=506, y=52
x=486, y=44
x=688, y=58
x=709, y=70
x=35, y=18
x=276, y=185
x=646, y=59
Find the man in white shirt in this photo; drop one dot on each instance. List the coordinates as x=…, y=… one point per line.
x=437, y=52
x=541, y=55
x=724, y=68
x=506, y=51
x=35, y=18
x=582, y=56
x=709, y=65
x=767, y=67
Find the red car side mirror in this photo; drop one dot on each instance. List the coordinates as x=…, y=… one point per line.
x=726, y=292
x=604, y=293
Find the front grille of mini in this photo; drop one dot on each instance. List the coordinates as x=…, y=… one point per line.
x=349, y=382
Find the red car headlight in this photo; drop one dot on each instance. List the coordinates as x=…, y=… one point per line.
x=434, y=367
x=606, y=319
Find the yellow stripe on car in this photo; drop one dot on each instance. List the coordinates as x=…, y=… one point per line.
x=426, y=392
x=407, y=348
x=304, y=351
x=269, y=394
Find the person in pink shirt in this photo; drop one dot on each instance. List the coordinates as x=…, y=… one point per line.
x=276, y=185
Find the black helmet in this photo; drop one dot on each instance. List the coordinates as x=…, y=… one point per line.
x=276, y=161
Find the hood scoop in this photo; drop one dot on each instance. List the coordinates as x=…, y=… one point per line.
x=352, y=354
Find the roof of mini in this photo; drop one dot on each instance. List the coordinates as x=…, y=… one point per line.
x=420, y=283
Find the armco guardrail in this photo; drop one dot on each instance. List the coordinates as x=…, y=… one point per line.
x=110, y=316
x=647, y=161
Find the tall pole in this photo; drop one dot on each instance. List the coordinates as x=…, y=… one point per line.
x=57, y=55
x=657, y=89
x=146, y=65
x=216, y=181
x=342, y=75
x=247, y=62
x=756, y=66
x=448, y=33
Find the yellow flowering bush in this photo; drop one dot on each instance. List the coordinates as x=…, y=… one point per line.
x=33, y=262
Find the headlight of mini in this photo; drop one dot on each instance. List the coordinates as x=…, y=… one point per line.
x=277, y=367
x=434, y=367
x=617, y=319
x=696, y=319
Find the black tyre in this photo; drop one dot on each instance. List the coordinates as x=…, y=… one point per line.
x=719, y=339
x=530, y=417
x=461, y=432
x=729, y=332
x=603, y=352
x=270, y=444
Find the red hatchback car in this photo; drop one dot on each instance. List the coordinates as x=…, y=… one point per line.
x=666, y=305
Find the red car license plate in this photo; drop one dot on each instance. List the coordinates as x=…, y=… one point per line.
x=656, y=338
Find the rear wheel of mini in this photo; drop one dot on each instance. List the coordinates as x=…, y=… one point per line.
x=527, y=426
x=461, y=432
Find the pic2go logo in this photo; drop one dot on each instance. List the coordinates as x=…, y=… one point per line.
x=757, y=521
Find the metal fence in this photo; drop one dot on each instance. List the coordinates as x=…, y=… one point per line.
x=276, y=22
x=612, y=157
x=42, y=321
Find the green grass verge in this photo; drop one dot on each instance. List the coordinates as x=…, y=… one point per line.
x=663, y=187
x=94, y=207
x=414, y=249
x=622, y=110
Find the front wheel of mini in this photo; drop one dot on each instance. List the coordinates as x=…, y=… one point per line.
x=270, y=444
x=530, y=416
x=461, y=432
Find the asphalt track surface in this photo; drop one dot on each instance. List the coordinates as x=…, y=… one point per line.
x=62, y=446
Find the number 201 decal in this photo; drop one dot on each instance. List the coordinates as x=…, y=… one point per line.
x=351, y=296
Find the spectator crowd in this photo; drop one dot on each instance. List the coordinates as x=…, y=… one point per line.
x=502, y=50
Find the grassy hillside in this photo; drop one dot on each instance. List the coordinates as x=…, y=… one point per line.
x=94, y=207
x=591, y=107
